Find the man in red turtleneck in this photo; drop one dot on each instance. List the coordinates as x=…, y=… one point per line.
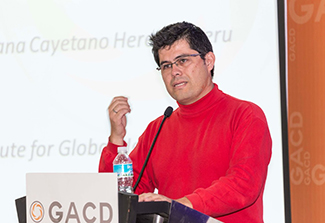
x=213, y=152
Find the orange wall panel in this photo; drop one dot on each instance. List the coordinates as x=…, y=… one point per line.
x=306, y=108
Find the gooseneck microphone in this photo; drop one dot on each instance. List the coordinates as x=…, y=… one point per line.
x=167, y=113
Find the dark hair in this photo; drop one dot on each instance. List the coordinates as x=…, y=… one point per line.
x=168, y=35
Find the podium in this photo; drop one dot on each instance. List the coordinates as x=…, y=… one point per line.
x=132, y=211
x=93, y=198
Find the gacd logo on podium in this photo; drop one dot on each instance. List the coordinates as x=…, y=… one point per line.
x=36, y=211
x=72, y=197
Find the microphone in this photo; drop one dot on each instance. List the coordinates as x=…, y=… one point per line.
x=167, y=113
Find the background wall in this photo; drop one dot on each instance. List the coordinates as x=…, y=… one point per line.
x=62, y=62
x=306, y=108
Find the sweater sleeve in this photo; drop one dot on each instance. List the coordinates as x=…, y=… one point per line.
x=108, y=155
x=138, y=156
x=244, y=181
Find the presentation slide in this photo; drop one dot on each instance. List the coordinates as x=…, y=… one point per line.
x=63, y=61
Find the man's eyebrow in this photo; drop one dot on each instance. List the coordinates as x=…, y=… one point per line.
x=182, y=55
x=164, y=62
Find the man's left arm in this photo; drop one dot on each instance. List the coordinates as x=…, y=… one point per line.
x=244, y=181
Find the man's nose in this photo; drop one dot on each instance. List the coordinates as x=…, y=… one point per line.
x=175, y=69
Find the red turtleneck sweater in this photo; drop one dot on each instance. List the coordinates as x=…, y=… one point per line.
x=214, y=151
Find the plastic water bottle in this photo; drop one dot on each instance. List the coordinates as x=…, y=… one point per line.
x=122, y=165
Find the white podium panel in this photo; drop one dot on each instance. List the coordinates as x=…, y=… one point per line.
x=71, y=197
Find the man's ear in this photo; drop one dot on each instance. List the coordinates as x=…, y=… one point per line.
x=209, y=60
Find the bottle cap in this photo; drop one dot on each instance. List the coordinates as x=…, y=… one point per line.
x=122, y=149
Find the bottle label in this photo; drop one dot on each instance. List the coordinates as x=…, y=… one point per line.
x=123, y=170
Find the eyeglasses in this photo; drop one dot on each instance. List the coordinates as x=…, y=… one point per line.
x=181, y=61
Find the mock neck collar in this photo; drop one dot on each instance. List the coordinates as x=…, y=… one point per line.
x=201, y=105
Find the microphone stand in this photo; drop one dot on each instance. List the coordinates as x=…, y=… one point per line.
x=167, y=113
